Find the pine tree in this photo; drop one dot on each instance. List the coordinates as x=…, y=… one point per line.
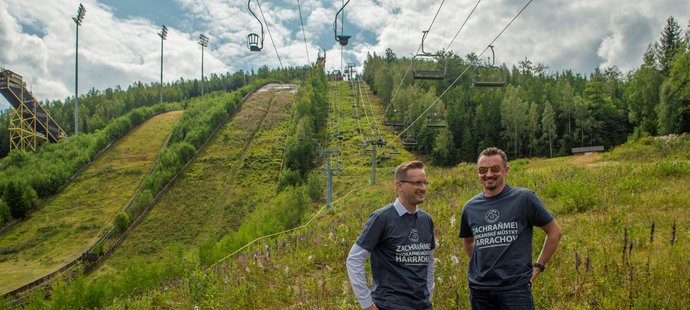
x=669, y=42
x=548, y=123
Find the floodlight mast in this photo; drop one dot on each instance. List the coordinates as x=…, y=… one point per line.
x=203, y=41
x=81, y=11
x=163, y=34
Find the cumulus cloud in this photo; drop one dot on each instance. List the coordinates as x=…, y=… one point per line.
x=38, y=36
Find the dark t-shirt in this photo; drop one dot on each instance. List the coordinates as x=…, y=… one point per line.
x=502, y=230
x=400, y=248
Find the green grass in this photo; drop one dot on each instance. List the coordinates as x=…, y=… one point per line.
x=603, y=203
x=70, y=222
x=235, y=172
x=622, y=196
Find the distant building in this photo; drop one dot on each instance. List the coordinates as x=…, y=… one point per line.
x=586, y=150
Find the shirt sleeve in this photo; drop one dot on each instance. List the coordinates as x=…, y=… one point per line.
x=538, y=215
x=465, y=230
x=371, y=235
x=430, y=274
x=356, y=273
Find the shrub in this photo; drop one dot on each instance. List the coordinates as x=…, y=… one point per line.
x=19, y=197
x=121, y=222
x=314, y=188
x=4, y=211
x=575, y=195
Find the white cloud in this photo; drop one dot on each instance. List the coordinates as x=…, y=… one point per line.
x=38, y=36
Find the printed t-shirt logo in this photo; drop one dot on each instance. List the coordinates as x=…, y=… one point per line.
x=414, y=235
x=491, y=216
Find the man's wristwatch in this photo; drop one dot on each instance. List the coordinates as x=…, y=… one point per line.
x=540, y=266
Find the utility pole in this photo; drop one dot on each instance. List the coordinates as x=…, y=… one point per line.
x=77, y=20
x=163, y=34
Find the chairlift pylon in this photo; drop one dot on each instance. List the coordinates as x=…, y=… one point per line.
x=489, y=75
x=342, y=39
x=254, y=41
x=427, y=66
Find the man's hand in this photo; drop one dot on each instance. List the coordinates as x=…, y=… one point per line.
x=372, y=307
x=535, y=272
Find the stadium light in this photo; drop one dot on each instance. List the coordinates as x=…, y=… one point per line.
x=77, y=20
x=163, y=34
x=203, y=41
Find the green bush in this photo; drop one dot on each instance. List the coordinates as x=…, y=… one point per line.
x=314, y=188
x=121, y=222
x=671, y=168
x=19, y=197
x=4, y=212
x=575, y=196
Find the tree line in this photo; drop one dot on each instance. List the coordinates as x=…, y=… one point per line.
x=26, y=177
x=98, y=107
x=537, y=113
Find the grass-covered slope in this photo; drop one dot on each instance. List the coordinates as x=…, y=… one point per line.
x=68, y=224
x=236, y=171
x=625, y=217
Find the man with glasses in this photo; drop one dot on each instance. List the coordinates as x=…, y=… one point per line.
x=399, y=238
x=496, y=227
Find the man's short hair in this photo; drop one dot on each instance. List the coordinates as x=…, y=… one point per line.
x=491, y=151
x=401, y=171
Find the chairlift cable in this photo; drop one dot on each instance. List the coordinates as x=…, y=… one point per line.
x=410, y=66
x=363, y=186
x=363, y=109
x=463, y=25
x=468, y=67
x=371, y=107
x=269, y=32
x=304, y=35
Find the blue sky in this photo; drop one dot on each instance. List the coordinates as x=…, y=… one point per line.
x=118, y=44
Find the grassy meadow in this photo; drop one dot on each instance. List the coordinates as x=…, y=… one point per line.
x=236, y=171
x=624, y=214
x=70, y=222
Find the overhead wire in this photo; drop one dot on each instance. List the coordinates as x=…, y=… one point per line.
x=468, y=67
x=361, y=187
x=377, y=127
x=269, y=33
x=463, y=25
x=410, y=66
x=284, y=231
x=420, y=46
x=304, y=35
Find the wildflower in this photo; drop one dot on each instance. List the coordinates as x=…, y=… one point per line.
x=452, y=221
x=454, y=259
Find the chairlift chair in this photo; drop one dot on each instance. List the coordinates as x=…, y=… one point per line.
x=435, y=120
x=428, y=66
x=409, y=140
x=342, y=39
x=254, y=41
x=393, y=120
x=489, y=75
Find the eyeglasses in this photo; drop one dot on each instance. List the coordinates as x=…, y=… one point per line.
x=417, y=183
x=485, y=169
